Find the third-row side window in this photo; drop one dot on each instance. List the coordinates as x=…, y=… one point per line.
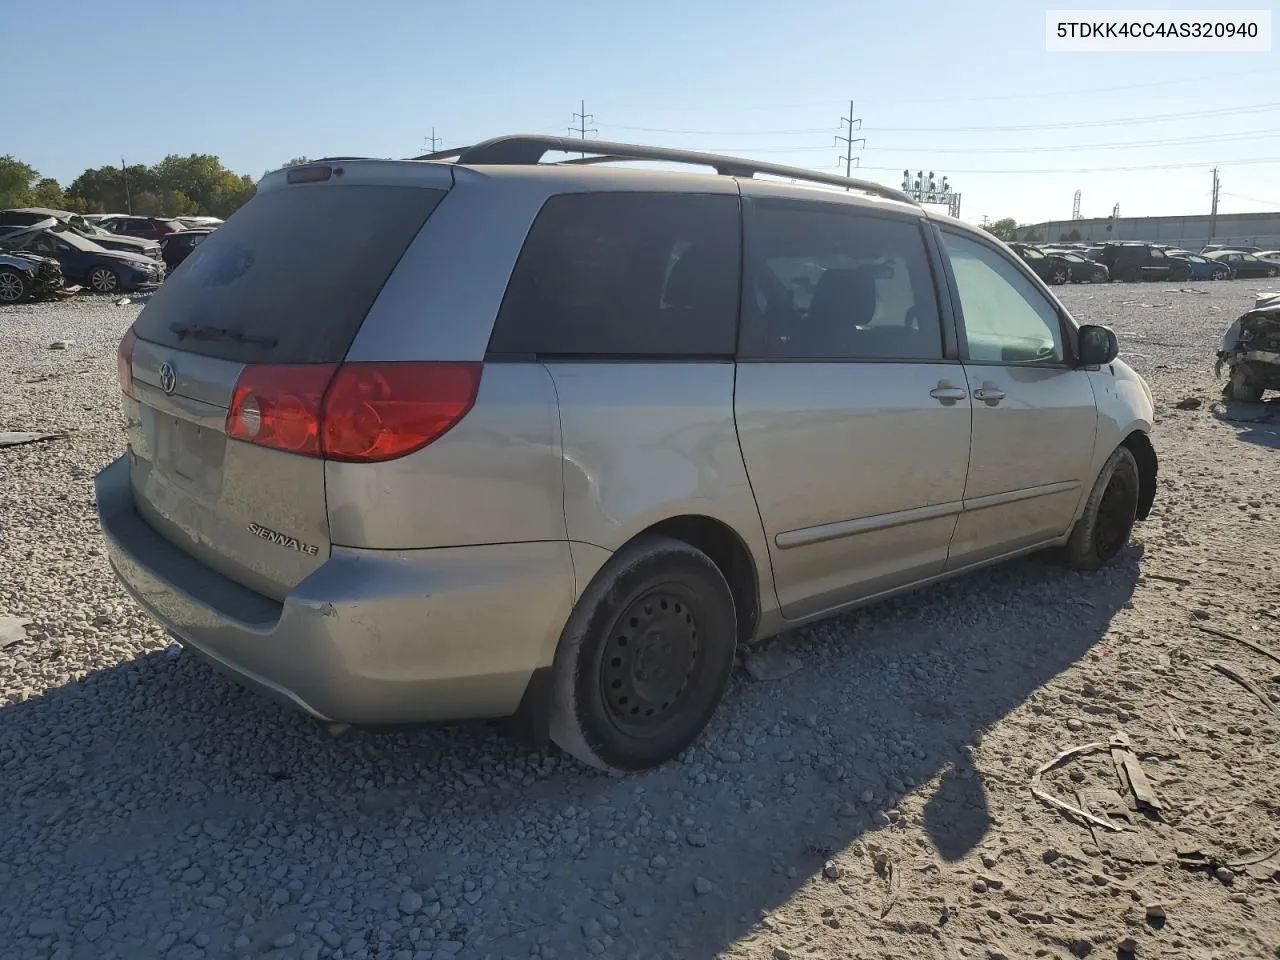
x=625, y=274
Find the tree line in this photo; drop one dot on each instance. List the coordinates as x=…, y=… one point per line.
x=177, y=186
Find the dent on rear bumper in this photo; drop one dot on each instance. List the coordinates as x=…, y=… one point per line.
x=372, y=636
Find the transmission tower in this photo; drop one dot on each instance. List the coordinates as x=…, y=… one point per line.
x=433, y=140
x=850, y=161
x=1075, y=206
x=583, y=118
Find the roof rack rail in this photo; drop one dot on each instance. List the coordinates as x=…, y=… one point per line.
x=520, y=149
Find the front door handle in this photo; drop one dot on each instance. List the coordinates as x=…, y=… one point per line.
x=989, y=394
x=947, y=394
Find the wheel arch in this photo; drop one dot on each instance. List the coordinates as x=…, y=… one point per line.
x=718, y=540
x=1139, y=444
x=729, y=552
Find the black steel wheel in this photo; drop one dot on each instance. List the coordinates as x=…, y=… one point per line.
x=649, y=660
x=13, y=286
x=645, y=657
x=1107, y=521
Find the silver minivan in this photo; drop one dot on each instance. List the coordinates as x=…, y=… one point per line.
x=484, y=435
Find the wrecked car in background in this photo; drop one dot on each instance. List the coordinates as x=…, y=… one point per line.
x=1251, y=351
x=27, y=275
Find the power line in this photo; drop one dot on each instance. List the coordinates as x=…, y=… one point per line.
x=1077, y=147
x=1157, y=166
x=1073, y=148
x=1240, y=196
x=1081, y=124
x=1038, y=95
x=1007, y=128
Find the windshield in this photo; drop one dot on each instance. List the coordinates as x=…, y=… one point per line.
x=1032, y=254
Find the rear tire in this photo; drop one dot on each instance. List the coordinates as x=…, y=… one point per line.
x=14, y=287
x=1103, y=529
x=645, y=657
x=1059, y=276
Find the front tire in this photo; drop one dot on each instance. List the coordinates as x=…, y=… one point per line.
x=645, y=657
x=104, y=280
x=1244, y=385
x=13, y=286
x=1103, y=529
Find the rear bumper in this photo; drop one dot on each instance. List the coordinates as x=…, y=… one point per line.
x=370, y=637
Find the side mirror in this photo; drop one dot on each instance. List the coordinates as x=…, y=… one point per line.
x=1098, y=346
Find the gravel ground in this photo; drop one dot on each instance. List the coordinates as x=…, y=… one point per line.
x=876, y=803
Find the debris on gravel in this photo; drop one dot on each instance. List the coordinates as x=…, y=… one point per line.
x=853, y=805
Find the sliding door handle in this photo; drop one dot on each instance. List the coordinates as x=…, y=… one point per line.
x=990, y=395
x=947, y=395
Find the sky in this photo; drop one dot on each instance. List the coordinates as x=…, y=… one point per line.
x=961, y=89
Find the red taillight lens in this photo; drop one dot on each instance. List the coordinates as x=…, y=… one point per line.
x=124, y=362
x=279, y=406
x=379, y=411
x=354, y=411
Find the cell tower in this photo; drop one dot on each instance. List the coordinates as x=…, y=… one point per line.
x=1075, y=206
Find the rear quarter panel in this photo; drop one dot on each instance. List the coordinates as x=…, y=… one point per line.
x=493, y=478
x=645, y=442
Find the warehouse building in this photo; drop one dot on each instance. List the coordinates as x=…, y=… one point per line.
x=1192, y=232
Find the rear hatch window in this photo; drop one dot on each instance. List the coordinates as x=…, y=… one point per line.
x=290, y=277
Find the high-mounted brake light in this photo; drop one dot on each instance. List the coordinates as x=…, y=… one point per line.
x=308, y=174
x=360, y=412
x=124, y=362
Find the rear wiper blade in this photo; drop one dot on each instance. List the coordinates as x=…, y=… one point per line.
x=200, y=332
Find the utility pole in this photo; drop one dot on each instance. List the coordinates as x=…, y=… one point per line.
x=433, y=140
x=583, y=117
x=124, y=172
x=849, y=140
x=1213, y=209
x=985, y=221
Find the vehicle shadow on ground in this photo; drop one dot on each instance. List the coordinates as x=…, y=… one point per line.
x=1253, y=422
x=139, y=771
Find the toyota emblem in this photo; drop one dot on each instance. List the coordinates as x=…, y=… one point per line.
x=168, y=379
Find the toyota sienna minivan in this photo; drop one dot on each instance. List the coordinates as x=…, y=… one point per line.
x=483, y=435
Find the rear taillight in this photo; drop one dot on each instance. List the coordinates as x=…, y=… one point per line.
x=279, y=406
x=361, y=412
x=124, y=362
x=378, y=411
